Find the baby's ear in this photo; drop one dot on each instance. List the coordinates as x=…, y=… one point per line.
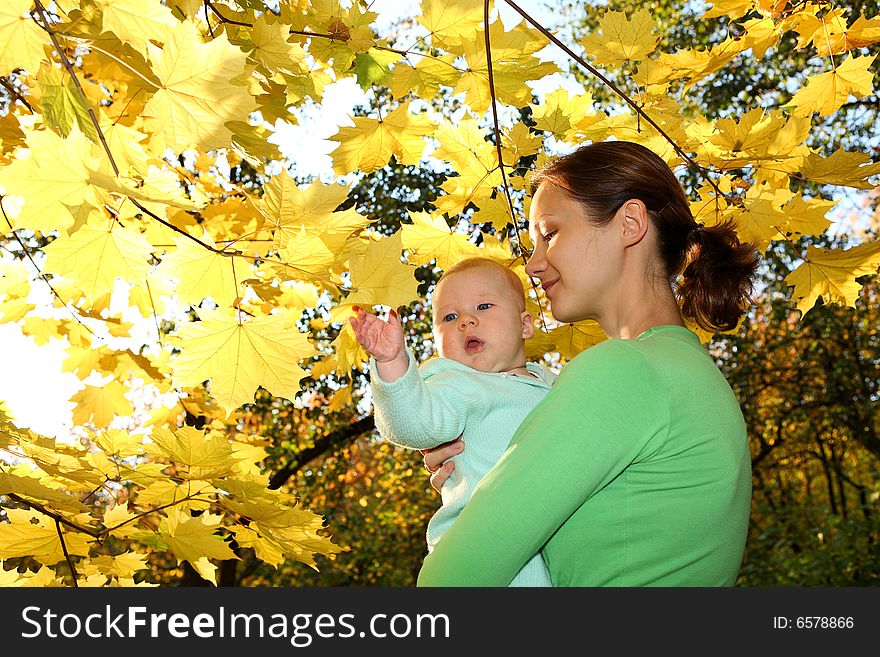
x=528, y=324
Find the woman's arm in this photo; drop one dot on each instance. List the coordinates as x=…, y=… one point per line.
x=601, y=414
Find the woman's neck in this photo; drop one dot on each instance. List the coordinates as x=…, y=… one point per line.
x=636, y=313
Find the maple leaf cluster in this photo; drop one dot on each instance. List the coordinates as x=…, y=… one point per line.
x=124, y=122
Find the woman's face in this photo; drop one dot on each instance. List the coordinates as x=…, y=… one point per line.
x=574, y=260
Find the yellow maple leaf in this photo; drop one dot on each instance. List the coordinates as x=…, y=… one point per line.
x=371, y=142
x=199, y=456
x=620, y=39
x=288, y=208
x=732, y=8
x=349, y=353
x=519, y=142
x=306, y=258
x=568, y=340
x=350, y=26
x=512, y=62
x=378, y=277
x=63, y=104
x=291, y=531
x=120, y=521
x=21, y=40
x=863, y=32
x=449, y=22
x=99, y=405
x=808, y=216
x=841, y=168
x=238, y=357
x=196, y=95
x=761, y=34
x=53, y=180
x=267, y=43
x=429, y=238
x=826, y=92
x=495, y=210
x=136, y=22
x=121, y=565
x=695, y=63
x=29, y=486
x=761, y=218
x=831, y=273
x=96, y=254
x=473, y=158
x=563, y=114
x=193, y=539
x=22, y=539
x=202, y=273
x=425, y=78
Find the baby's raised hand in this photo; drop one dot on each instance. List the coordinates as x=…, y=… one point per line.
x=383, y=340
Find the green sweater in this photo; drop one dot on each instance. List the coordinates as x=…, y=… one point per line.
x=633, y=471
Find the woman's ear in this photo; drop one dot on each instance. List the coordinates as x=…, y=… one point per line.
x=634, y=221
x=528, y=324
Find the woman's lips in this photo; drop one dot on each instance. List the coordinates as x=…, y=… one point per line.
x=548, y=286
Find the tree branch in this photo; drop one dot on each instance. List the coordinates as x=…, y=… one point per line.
x=329, y=442
x=494, y=103
x=42, y=276
x=14, y=92
x=66, y=553
x=57, y=517
x=223, y=18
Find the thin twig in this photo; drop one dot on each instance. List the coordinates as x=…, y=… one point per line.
x=15, y=94
x=495, y=127
x=629, y=101
x=66, y=553
x=69, y=68
x=41, y=275
x=223, y=18
x=57, y=517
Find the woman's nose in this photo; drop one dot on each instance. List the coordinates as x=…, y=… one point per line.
x=537, y=263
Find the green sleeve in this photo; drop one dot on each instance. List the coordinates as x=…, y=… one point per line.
x=605, y=411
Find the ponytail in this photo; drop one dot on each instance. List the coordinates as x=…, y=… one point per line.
x=716, y=285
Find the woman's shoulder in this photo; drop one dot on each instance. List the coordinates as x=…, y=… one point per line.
x=612, y=359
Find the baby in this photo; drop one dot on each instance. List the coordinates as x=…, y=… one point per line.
x=480, y=388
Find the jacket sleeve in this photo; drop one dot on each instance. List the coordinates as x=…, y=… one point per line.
x=604, y=411
x=423, y=412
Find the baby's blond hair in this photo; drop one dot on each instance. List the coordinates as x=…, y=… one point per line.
x=474, y=262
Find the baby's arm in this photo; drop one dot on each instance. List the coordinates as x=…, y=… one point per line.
x=408, y=410
x=383, y=341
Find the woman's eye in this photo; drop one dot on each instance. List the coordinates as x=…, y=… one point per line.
x=548, y=236
x=449, y=318
x=484, y=306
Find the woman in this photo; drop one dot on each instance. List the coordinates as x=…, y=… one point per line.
x=635, y=469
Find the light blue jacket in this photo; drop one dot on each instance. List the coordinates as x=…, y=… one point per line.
x=444, y=399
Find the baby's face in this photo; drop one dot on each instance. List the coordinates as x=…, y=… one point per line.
x=479, y=321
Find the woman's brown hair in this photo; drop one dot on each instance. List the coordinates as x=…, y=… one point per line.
x=716, y=268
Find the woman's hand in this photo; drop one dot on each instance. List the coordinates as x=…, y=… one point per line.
x=438, y=461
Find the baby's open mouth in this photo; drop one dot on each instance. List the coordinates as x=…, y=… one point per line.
x=473, y=345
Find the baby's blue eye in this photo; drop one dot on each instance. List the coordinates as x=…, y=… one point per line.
x=450, y=317
x=484, y=306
